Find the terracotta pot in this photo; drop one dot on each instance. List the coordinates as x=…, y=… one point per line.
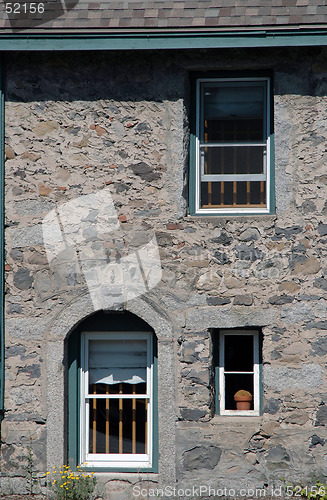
x=243, y=402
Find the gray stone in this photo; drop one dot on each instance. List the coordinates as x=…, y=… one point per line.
x=201, y=457
x=33, y=207
x=320, y=283
x=23, y=395
x=26, y=236
x=90, y=233
x=296, y=313
x=218, y=301
x=22, y=279
x=193, y=415
x=17, y=255
x=34, y=371
x=250, y=234
x=197, y=377
x=305, y=377
x=223, y=239
x=316, y=440
x=322, y=229
x=320, y=325
x=277, y=455
x=308, y=297
x=320, y=346
x=221, y=258
x=243, y=300
x=188, y=352
x=248, y=252
x=287, y=232
x=144, y=171
x=15, y=350
x=220, y=317
x=321, y=416
x=272, y=406
x=121, y=187
x=281, y=299
x=279, y=330
x=25, y=328
x=14, y=309
x=143, y=127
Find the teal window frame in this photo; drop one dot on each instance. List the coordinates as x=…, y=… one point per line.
x=217, y=338
x=196, y=117
x=73, y=389
x=2, y=251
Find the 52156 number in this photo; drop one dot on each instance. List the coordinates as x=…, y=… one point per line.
x=24, y=8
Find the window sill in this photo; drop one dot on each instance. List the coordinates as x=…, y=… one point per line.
x=133, y=474
x=221, y=218
x=232, y=419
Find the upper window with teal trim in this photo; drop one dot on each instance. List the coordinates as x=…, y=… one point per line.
x=232, y=168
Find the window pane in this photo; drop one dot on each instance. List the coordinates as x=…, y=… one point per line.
x=113, y=362
x=233, y=194
x=118, y=426
x=238, y=353
x=234, y=383
x=233, y=113
x=234, y=159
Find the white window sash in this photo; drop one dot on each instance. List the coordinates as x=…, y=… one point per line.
x=255, y=373
x=112, y=460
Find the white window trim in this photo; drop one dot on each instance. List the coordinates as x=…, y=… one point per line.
x=124, y=460
x=256, y=373
x=198, y=163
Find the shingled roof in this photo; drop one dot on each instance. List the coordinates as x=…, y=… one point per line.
x=147, y=15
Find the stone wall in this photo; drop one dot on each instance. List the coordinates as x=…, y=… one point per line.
x=80, y=123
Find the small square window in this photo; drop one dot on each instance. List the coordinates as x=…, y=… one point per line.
x=232, y=146
x=236, y=359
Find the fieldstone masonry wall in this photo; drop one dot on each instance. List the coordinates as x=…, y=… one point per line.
x=78, y=123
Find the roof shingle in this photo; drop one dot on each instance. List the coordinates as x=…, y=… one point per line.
x=156, y=14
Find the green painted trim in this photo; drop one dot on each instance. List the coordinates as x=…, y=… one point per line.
x=192, y=173
x=73, y=399
x=73, y=393
x=155, y=436
x=164, y=40
x=260, y=373
x=215, y=340
x=272, y=176
x=2, y=169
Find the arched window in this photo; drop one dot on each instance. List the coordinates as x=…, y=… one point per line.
x=112, y=401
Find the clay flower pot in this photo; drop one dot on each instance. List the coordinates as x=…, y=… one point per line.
x=243, y=400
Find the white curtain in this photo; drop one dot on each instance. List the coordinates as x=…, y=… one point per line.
x=117, y=361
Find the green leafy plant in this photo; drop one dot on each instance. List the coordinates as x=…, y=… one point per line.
x=71, y=485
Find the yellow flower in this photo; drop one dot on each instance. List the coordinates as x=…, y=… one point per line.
x=54, y=482
x=61, y=486
x=48, y=472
